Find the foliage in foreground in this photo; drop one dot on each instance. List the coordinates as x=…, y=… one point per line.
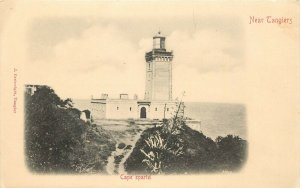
x=176, y=148
x=57, y=140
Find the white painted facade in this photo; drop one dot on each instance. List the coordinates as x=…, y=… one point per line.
x=162, y=109
x=157, y=103
x=133, y=109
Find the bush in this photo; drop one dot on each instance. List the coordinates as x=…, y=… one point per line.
x=231, y=152
x=121, y=145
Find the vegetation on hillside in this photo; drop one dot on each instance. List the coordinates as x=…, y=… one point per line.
x=57, y=140
x=176, y=148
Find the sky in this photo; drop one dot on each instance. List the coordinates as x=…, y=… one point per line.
x=84, y=56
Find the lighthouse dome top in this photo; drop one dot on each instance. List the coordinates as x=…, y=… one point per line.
x=159, y=35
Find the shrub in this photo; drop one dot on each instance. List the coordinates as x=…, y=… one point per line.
x=231, y=152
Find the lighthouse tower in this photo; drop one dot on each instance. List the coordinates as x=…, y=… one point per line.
x=158, y=71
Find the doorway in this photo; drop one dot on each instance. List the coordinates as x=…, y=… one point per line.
x=143, y=113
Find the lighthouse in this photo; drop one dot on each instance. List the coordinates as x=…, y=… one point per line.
x=158, y=71
x=157, y=102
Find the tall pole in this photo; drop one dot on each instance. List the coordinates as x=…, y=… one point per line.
x=165, y=111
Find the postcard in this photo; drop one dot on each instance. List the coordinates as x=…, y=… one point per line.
x=150, y=94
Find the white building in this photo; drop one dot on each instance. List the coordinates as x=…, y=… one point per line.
x=30, y=89
x=158, y=103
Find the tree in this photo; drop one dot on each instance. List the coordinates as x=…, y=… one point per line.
x=52, y=133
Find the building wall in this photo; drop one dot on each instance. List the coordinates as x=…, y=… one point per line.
x=161, y=109
x=98, y=110
x=126, y=109
x=121, y=109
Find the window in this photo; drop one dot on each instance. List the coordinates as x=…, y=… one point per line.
x=156, y=43
x=155, y=109
x=117, y=108
x=167, y=109
x=130, y=108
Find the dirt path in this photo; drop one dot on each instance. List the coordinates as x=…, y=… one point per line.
x=126, y=133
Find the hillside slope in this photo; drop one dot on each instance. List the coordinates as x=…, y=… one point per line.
x=175, y=148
